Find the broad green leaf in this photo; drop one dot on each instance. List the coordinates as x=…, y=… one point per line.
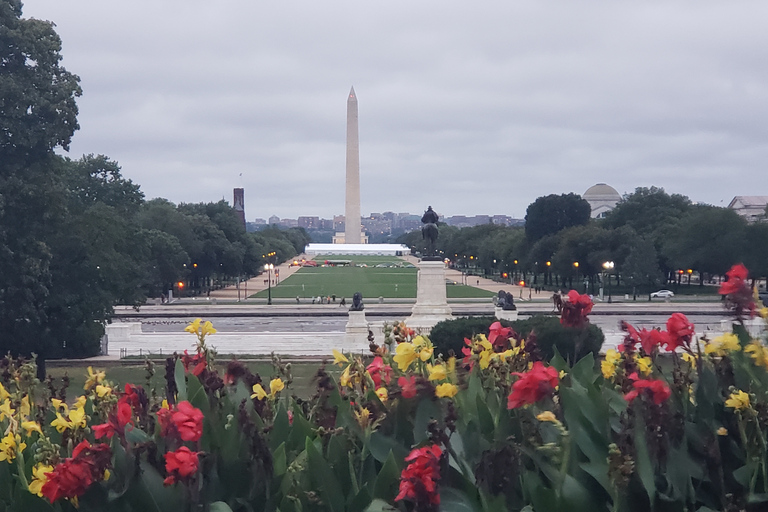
x=219, y=506
x=381, y=445
x=181, y=381
x=279, y=460
x=388, y=479
x=380, y=506
x=453, y=500
x=324, y=478
x=643, y=463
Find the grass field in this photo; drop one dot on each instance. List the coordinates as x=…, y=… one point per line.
x=303, y=373
x=371, y=281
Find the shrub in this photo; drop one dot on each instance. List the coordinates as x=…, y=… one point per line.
x=573, y=344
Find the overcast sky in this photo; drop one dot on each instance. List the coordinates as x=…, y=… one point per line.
x=472, y=107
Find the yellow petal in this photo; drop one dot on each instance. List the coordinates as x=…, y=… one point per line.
x=547, y=416
x=339, y=358
x=383, y=394
x=446, y=390
x=194, y=326
x=258, y=392
x=275, y=385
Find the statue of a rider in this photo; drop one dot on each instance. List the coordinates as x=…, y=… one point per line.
x=429, y=233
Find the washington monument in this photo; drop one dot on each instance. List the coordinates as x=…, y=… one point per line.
x=352, y=233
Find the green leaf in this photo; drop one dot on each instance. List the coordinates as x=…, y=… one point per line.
x=426, y=411
x=279, y=462
x=379, y=506
x=219, y=506
x=181, y=381
x=453, y=500
x=485, y=419
x=388, y=479
x=381, y=445
x=324, y=479
x=643, y=463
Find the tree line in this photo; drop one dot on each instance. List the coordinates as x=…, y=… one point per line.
x=76, y=237
x=653, y=238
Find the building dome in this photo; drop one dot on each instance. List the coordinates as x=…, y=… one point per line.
x=601, y=192
x=602, y=198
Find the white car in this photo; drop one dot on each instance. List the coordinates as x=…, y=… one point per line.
x=663, y=294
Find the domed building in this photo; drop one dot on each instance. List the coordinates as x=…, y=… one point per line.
x=602, y=198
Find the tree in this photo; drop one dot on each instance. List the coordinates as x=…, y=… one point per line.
x=647, y=210
x=641, y=267
x=38, y=113
x=550, y=214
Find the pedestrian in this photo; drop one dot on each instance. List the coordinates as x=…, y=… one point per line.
x=313, y=300
x=478, y=282
x=297, y=300
x=343, y=302
x=333, y=297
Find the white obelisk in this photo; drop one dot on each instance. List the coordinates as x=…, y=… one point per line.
x=352, y=203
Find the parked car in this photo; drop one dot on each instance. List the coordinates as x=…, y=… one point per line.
x=764, y=297
x=663, y=294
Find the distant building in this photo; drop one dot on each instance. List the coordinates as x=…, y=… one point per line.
x=274, y=220
x=309, y=222
x=289, y=223
x=239, y=204
x=602, y=198
x=259, y=222
x=751, y=208
x=338, y=222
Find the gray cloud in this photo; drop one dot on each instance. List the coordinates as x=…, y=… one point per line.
x=473, y=108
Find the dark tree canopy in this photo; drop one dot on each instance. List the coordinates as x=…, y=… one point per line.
x=553, y=213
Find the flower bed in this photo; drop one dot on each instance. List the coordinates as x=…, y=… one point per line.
x=669, y=422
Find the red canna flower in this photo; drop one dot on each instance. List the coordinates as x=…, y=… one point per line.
x=377, y=369
x=196, y=362
x=533, y=385
x=180, y=465
x=737, y=279
x=408, y=386
x=679, y=332
x=418, y=481
x=117, y=420
x=575, y=310
x=188, y=421
x=653, y=338
x=498, y=335
x=655, y=389
x=73, y=476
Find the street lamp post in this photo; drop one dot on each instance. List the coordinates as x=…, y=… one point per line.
x=268, y=267
x=608, y=266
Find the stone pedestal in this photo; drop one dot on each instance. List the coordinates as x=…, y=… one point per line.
x=431, y=303
x=506, y=314
x=356, y=336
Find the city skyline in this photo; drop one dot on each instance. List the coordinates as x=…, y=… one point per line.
x=463, y=106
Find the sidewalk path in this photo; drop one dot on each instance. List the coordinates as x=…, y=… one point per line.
x=257, y=283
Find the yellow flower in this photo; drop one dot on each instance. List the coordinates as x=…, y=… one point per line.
x=688, y=358
x=722, y=431
x=345, y=378
x=721, y=345
x=405, y=354
x=446, y=390
x=612, y=356
x=3, y=393
x=80, y=402
x=383, y=394
x=194, y=326
x=10, y=447
x=275, y=386
x=547, y=416
x=339, y=358
x=165, y=404
x=59, y=404
x=764, y=313
x=6, y=411
x=207, y=329
x=423, y=347
x=738, y=401
x=452, y=365
x=758, y=352
x=102, y=391
x=31, y=426
x=608, y=369
x=644, y=364
x=362, y=416
x=24, y=408
x=77, y=417
x=61, y=423
x=258, y=392
x=485, y=358
x=93, y=379
x=39, y=477
x=437, y=372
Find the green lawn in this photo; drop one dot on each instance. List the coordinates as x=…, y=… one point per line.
x=302, y=372
x=371, y=281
